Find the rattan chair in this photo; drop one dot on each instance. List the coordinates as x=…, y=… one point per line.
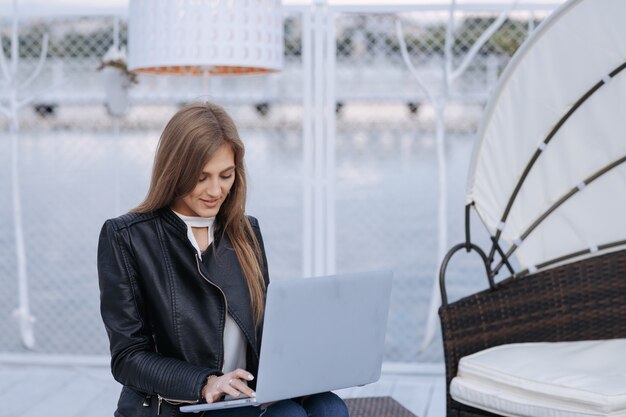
x=549, y=195
x=584, y=300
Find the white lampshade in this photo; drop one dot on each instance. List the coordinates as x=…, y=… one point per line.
x=205, y=36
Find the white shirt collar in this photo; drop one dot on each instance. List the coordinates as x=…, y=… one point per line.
x=194, y=221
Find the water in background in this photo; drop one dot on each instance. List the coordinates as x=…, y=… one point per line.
x=386, y=202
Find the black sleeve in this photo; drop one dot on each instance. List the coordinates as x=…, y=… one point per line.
x=134, y=361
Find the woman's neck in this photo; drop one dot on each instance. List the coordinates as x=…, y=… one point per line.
x=196, y=221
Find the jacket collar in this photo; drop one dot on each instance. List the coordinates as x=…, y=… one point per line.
x=170, y=217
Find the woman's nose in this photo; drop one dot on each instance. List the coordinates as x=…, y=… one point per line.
x=213, y=188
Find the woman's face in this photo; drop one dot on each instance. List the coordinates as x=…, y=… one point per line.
x=214, y=184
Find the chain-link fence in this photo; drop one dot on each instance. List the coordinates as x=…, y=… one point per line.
x=79, y=166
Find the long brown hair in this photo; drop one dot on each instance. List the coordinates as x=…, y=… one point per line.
x=187, y=143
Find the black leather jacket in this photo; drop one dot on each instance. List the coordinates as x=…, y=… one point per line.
x=164, y=309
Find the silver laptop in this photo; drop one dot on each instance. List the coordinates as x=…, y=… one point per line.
x=319, y=334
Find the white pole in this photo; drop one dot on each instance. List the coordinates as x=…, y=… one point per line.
x=22, y=313
x=442, y=203
x=330, y=135
x=307, y=145
x=442, y=221
x=449, y=75
x=9, y=71
x=318, y=60
x=440, y=104
x=319, y=167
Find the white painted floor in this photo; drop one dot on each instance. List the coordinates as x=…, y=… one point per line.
x=64, y=390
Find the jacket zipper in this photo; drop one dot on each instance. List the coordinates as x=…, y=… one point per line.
x=225, y=308
x=172, y=402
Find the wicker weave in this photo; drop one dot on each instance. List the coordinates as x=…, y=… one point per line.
x=584, y=300
x=376, y=407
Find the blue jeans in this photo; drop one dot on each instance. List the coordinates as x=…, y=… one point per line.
x=326, y=404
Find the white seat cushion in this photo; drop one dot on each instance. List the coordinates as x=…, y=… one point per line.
x=586, y=378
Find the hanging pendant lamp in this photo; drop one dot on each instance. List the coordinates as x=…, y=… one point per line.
x=212, y=37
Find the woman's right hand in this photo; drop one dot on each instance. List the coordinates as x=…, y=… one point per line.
x=232, y=383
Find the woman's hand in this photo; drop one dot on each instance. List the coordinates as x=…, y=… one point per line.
x=233, y=384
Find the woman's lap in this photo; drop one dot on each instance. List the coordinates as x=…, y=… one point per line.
x=325, y=404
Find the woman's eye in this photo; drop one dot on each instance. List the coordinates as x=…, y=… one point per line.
x=201, y=179
x=227, y=176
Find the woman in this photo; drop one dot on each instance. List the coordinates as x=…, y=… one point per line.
x=183, y=278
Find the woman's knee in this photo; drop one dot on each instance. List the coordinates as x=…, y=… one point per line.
x=286, y=408
x=326, y=404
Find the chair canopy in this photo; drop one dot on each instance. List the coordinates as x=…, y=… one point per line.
x=548, y=173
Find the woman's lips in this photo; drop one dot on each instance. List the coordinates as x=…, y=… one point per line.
x=210, y=203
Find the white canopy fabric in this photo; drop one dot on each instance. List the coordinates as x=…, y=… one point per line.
x=582, y=45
